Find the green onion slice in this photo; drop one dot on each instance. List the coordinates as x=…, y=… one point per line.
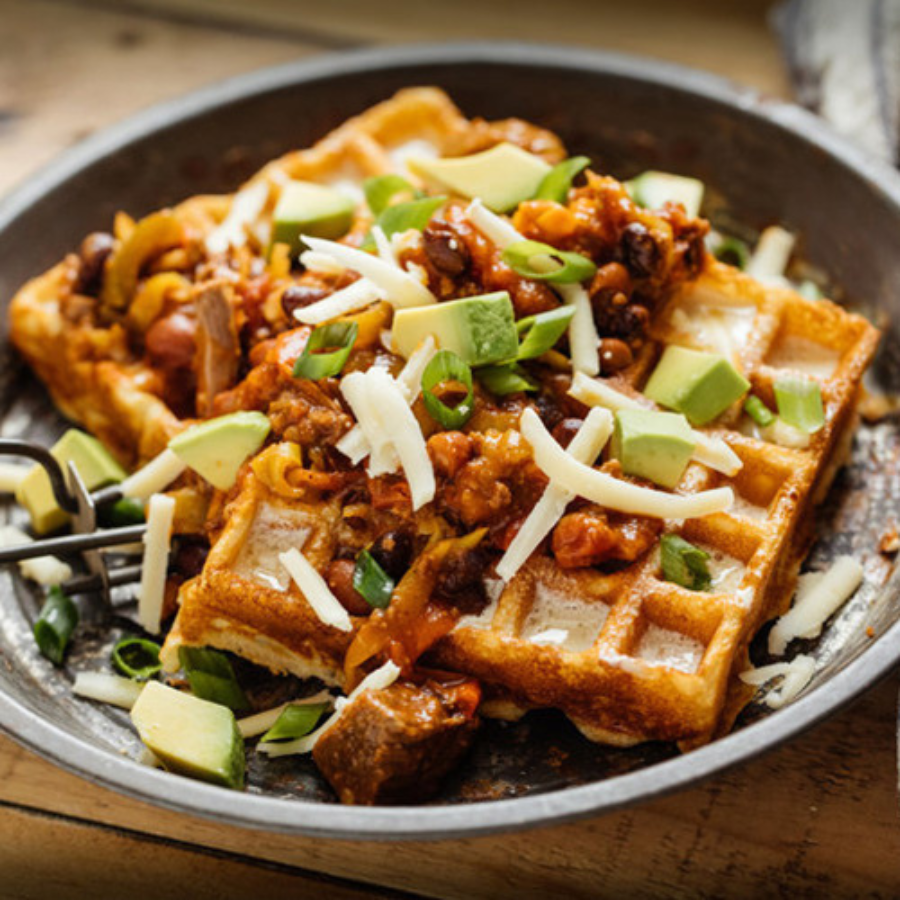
x=810, y=290
x=403, y=216
x=557, y=182
x=326, y=351
x=211, y=677
x=126, y=511
x=507, y=379
x=542, y=331
x=733, y=251
x=295, y=721
x=447, y=368
x=370, y=580
x=758, y=411
x=54, y=627
x=532, y=259
x=684, y=564
x=800, y=403
x=381, y=189
x=136, y=658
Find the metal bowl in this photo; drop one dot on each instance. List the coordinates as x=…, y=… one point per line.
x=768, y=162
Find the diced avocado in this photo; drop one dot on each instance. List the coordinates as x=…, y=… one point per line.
x=653, y=189
x=480, y=330
x=652, y=445
x=216, y=449
x=313, y=209
x=190, y=736
x=701, y=385
x=95, y=466
x=501, y=177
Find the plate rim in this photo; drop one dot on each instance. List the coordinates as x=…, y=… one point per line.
x=316, y=819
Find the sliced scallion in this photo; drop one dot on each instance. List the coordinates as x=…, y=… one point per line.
x=372, y=582
x=414, y=214
x=533, y=259
x=295, y=721
x=126, y=511
x=810, y=290
x=506, y=379
x=800, y=403
x=758, y=411
x=558, y=181
x=447, y=369
x=211, y=677
x=539, y=333
x=326, y=351
x=382, y=189
x=732, y=251
x=136, y=658
x=684, y=564
x=54, y=627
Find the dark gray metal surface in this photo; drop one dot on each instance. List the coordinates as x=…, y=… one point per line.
x=772, y=162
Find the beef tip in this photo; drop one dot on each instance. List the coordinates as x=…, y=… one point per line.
x=396, y=745
x=92, y=255
x=218, y=348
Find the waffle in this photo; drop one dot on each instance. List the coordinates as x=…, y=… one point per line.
x=627, y=656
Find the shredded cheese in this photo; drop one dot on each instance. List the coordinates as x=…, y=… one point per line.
x=779, y=432
x=246, y=207
x=585, y=447
x=11, y=476
x=613, y=493
x=376, y=439
x=819, y=596
x=401, y=289
x=359, y=294
x=584, y=341
x=376, y=681
x=709, y=450
x=317, y=593
x=47, y=571
x=105, y=688
x=321, y=263
x=260, y=723
x=157, y=541
x=795, y=676
x=156, y=476
x=384, y=247
x=771, y=255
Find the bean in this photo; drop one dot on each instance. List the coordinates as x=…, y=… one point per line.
x=565, y=430
x=93, y=253
x=299, y=295
x=393, y=552
x=640, y=251
x=614, y=355
x=445, y=249
x=171, y=341
x=339, y=578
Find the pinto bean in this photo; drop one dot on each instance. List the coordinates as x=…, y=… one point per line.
x=339, y=577
x=171, y=341
x=614, y=355
x=93, y=253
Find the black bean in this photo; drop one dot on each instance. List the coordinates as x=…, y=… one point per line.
x=565, y=430
x=189, y=558
x=299, y=295
x=445, y=249
x=93, y=253
x=393, y=552
x=640, y=252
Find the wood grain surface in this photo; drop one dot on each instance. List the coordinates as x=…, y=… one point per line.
x=814, y=819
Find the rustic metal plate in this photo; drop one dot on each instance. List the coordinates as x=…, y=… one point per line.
x=768, y=161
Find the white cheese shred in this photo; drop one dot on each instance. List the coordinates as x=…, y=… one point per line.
x=583, y=338
x=384, y=247
x=106, y=688
x=585, y=447
x=819, y=596
x=795, y=676
x=157, y=542
x=401, y=290
x=375, y=681
x=771, y=255
x=261, y=722
x=156, y=476
x=246, y=207
x=709, y=450
x=613, y=493
x=376, y=439
x=47, y=571
x=358, y=295
x=11, y=476
x=317, y=593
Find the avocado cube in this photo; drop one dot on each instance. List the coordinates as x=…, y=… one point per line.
x=501, y=177
x=654, y=189
x=480, y=330
x=699, y=384
x=652, y=445
x=95, y=466
x=313, y=209
x=190, y=736
x=217, y=448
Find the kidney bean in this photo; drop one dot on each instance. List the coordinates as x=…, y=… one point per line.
x=445, y=249
x=339, y=577
x=565, y=430
x=299, y=295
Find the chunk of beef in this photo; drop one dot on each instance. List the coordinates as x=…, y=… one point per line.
x=396, y=745
x=218, y=348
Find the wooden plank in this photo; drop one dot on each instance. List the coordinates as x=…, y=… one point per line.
x=45, y=855
x=732, y=39
x=817, y=817
x=66, y=71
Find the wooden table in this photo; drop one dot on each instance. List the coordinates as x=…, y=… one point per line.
x=816, y=818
